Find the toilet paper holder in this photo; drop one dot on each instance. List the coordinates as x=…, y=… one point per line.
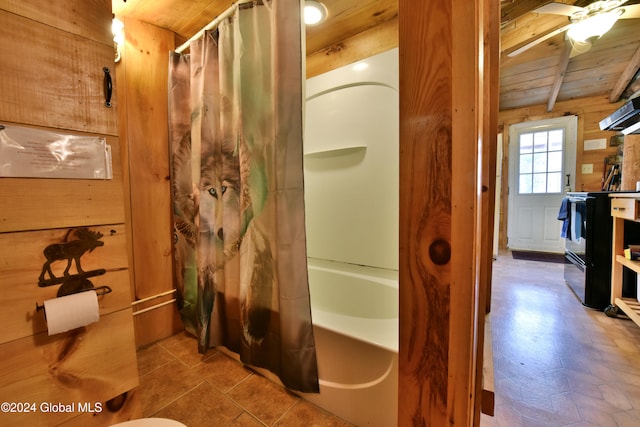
x=100, y=291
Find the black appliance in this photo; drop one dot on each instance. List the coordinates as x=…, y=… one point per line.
x=625, y=119
x=588, y=250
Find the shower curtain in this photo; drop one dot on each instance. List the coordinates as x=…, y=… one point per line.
x=235, y=122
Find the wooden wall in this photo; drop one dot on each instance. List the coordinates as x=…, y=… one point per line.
x=368, y=43
x=142, y=92
x=51, y=78
x=442, y=121
x=589, y=111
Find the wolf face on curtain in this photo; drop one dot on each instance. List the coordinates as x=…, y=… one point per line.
x=235, y=123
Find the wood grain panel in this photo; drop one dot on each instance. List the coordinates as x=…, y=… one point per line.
x=87, y=365
x=368, y=43
x=59, y=83
x=193, y=16
x=38, y=203
x=22, y=261
x=51, y=77
x=510, y=11
x=44, y=203
x=441, y=110
x=157, y=324
x=529, y=27
x=527, y=71
x=631, y=163
x=349, y=19
x=425, y=213
x=515, y=81
x=87, y=18
x=491, y=91
x=589, y=74
x=147, y=144
x=467, y=139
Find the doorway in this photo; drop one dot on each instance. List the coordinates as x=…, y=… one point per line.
x=542, y=162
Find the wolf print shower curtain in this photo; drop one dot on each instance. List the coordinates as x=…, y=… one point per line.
x=235, y=126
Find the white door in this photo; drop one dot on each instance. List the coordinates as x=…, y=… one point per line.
x=542, y=163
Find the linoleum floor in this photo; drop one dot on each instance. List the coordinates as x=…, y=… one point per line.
x=556, y=362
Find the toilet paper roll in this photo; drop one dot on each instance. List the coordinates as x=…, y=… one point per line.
x=71, y=311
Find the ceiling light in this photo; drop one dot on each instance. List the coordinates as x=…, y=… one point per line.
x=314, y=12
x=117, y=28
x=595, y=25
x=360, y=66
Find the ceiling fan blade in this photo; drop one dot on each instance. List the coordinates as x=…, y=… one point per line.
x=630, y=12
x=558, y=9
x=539, y=40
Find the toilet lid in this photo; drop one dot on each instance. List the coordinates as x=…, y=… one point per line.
x=155, y=422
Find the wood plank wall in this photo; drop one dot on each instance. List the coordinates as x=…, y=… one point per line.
x=368, y=43
x=51, y=78
x=491, y=88
x=143, y=73
x=589, y=111
x=441, y=131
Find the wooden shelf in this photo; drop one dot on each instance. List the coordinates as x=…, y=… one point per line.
x=631, y=308
x=633, y=265
x=624, y=207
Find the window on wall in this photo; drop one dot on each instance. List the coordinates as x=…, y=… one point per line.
x=540, y=161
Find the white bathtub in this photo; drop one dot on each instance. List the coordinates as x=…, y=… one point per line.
x=355, y=318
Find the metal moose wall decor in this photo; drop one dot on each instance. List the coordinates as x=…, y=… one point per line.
x=76, y=243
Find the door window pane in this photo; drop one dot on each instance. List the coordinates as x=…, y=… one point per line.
x=526, y=163
x=555, y=161
x=525, y=184
x=539, y=183
x=541, y=161
x=540, y=142
x=554, y=182
x=526, y=143
x=556, y=138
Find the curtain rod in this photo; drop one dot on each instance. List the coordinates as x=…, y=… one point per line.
x=213, y=24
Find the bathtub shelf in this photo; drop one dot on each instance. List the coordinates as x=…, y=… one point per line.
x=325, y=152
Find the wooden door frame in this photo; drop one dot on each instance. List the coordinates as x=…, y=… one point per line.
x=447, y=107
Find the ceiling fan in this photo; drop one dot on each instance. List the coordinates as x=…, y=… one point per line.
x=585, y=23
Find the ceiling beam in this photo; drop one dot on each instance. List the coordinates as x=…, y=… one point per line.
x=562, y=69
x=513, y=9
x=536, y=40
x=625, y=77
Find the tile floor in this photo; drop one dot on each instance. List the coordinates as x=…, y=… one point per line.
x=214, y=390
x=556, y=364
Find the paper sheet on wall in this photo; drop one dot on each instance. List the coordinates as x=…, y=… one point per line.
x=35, y=153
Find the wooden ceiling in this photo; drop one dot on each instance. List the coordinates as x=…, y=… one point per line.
x=545, y=74
x=542, y=75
